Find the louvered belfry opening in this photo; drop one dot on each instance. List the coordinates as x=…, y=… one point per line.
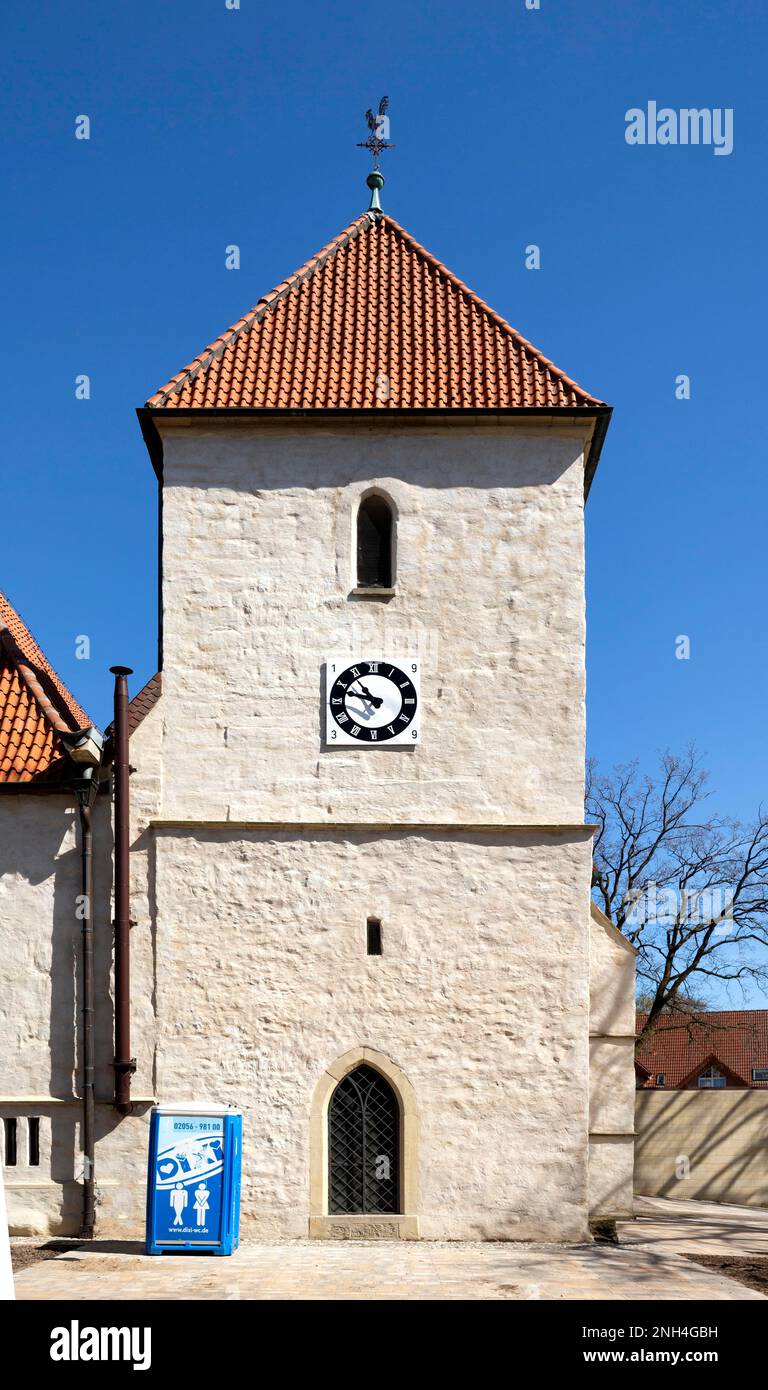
x=374, y=543
x=363, y=1146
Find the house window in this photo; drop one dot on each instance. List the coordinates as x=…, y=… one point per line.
x=34, y=1142
x=760, y=1073
x=374, y=543
x=661, y=1079
x=710, y=1078
x=10, y=1128
x=363, y=1145
x=373, y=933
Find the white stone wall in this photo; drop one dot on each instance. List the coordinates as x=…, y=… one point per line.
x=41, y=1002
x=480, y=998
x=249, y=971
x=39, y=881
x=612, y=1070
x=258, y=565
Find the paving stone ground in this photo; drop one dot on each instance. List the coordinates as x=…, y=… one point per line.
x=697, y=1228
x=377, y=1270
x=647, y=1265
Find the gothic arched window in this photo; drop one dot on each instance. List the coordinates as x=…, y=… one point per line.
x=363, y=1146
x=375, y=524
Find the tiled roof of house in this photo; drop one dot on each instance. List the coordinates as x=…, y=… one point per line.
x=138, y=708
x=683, y=1044
x=373, y=321
x=144, y=700
x=34, y=705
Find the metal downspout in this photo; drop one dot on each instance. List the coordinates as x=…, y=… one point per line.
x=85, y=795
x=124, y=1063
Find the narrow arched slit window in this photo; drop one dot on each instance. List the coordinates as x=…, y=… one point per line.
x=373, y=936
x=374, y=543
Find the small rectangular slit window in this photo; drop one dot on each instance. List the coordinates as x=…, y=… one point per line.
x=34, y=1143
x=374, y=937
x=10, y=1143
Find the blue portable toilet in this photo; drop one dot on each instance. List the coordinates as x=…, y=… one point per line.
x=193, y=1180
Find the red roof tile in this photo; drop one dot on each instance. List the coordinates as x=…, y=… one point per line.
x=138, y=708
x=34, y=705
x=683, y=1044
x=372, y=321
x=144, y=701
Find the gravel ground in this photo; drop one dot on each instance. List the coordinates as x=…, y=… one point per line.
x=751, y=1270
x=25, y=1253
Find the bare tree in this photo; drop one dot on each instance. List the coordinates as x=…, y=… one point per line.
x=690, y=892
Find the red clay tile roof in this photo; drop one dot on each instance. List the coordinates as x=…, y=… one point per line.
x=34, y=705
x=138, y=708
x=372, y=321
x=682, y=1045
x=144, y=701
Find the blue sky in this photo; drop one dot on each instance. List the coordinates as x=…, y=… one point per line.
x=213, y=126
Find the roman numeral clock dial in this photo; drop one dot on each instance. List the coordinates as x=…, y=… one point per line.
x=372, y=703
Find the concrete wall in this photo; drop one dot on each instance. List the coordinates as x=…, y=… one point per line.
x=710, y=1145
x=258, y=562
x=612, y=1072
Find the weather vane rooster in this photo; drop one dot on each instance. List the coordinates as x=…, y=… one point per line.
x=378, y=125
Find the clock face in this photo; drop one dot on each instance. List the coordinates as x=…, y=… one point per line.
x=372, y=703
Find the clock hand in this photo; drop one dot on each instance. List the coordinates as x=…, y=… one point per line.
x=375, y=700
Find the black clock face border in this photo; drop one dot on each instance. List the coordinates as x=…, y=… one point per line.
x=373, y=702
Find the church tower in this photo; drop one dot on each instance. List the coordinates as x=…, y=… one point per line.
x=370, y=869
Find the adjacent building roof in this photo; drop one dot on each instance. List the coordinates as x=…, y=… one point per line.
x=144, y=701
x=684, y=1044
x=35, y=706
x=138, y=709
x=373, y=321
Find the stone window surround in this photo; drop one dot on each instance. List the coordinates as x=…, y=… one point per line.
x=357, y=493
x=404, y=1226
x=25, y=1146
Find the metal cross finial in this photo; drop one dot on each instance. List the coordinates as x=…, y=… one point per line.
x=378, y=125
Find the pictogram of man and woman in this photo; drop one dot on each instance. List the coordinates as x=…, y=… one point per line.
x=179, y=1196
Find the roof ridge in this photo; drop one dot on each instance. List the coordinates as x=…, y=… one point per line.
x=31, y=680
x=266, y=301
x=498, y=318
x=699, y=1014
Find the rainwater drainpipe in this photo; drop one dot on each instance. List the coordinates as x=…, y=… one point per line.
x=86, y=789
x=85, y=748
x=124, y=1063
